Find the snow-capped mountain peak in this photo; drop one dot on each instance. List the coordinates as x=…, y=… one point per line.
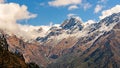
x=73, y=27
x=72, y=23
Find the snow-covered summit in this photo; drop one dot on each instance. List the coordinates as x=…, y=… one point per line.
x=72, y=23
x=75, y=27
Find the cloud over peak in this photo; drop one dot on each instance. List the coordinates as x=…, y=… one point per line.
x=10, y=13
x=71, y=15
x=108, y=12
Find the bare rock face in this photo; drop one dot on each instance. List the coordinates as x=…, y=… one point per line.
x=8, y=59
x=32, y=52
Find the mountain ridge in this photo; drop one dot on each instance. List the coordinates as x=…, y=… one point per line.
x=70, y=39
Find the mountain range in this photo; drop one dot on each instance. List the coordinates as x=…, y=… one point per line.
x=73, y=44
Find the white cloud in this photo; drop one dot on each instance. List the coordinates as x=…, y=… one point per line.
x=79, y=18
x=12, y=12
x=32, y=32
x=90, y=22
x=73, y=7
x=108, y=12
x=86, y=6
x=74, y=16
x=56, y=25
x=71, y=15
x=58, y=3
x=87, y=23
x=98, y=8
x=71, y=4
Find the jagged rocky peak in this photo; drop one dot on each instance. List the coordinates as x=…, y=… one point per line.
x=71, y=23
x=74, y=25
x=115, y=17
x=105, y=24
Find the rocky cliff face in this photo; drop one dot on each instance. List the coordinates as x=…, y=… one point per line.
x=12, y=60
x=32, y=52
x=8, y=59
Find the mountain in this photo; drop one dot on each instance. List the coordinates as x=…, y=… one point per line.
x=72, y=24
x=103, y=53
x=76, y=44
x=69, y=26
x=73, y=44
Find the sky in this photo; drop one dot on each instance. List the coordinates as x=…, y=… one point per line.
x=56, y=11
x=30, y=19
